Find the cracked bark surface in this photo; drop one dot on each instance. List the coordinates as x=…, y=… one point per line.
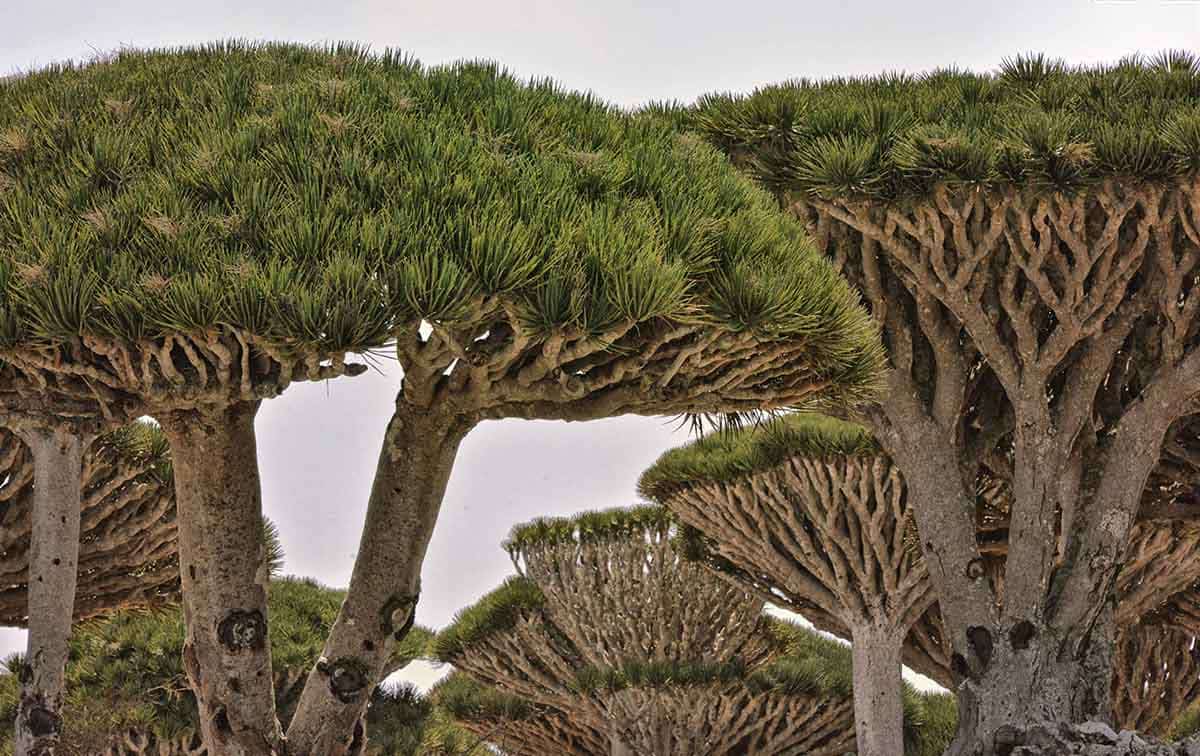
x=1051, y=339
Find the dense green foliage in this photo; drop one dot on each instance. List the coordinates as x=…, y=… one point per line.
x=496, y=611
x=464, y=698
x=589, y=527
x=126, y=671
x=144, y=442
x=1036, y=122
x=329, y=198
x=731, y=453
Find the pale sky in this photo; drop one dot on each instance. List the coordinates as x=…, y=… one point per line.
x=318, y=443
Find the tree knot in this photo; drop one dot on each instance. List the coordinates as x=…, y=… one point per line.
x=242, y=630
x=1021, y=634
x=398, y=614
x=42, y=722
x=975, y=569
x=347, y=677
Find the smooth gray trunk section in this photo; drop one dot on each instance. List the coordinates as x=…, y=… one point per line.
x=53, y=566
x=227, y=649
x=410, y=481
x=878, y=688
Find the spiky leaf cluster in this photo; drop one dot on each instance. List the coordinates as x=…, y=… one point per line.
x=1035, y=122
x=729, y=454
x=326, y=200
x=594, y=526
x=126, y=671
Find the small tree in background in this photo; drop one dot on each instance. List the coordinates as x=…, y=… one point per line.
x=128, y=693
x=614, y=629
x=192, y=230
x=808, y=513
x=1027, y=239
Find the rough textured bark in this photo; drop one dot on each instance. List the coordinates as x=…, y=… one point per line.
x=380, y=607
x=1030, y=680
x=878, y=687
x=1049, y=340
x=53, y=561
x=227, y=653
x=617, y=746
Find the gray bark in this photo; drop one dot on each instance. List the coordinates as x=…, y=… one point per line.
x=227, y=651
x=1031, y=677
x=410, y=481
x=878, y=686
x=53, y=562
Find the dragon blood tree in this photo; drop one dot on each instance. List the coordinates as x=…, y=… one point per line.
x=1028, y=242
x=807, y=513
x=610, y=626
x=816, y=485
x=1152, y=591
x=127, y=688
x=195, y=229
x=841, y=549
x=118, y=538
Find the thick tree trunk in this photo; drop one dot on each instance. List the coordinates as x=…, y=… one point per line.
x=227, y=651
x=410, y=480
x=53, y=564
x=878, y=687
x=617, y=746
x=1033, y=676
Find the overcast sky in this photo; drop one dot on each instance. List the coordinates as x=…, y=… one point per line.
x=318, y=443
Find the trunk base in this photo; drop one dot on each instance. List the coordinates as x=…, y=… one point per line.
x=1026, y=684
x=1095, y=739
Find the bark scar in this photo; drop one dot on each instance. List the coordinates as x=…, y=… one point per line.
x=241, y=630
x=397, y=606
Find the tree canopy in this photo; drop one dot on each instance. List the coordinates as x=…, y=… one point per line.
x=157, y=208
x=1027, y=240
x=1036, y=122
